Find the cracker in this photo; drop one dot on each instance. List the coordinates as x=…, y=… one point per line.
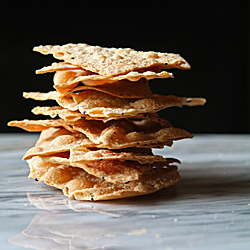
x=65, y=114
x=97, y=104
x=53, y=141
x=73, y=116
x=118, y=133
x=61, y=66
x=81, y=155
x=52, y=95
x=113, y=134
x=66, y=80
x=77, y=151
x=111, y=170
x=122, y=89
x=111, y=61
x=40, y=125
x=78, y=184
x=52, y=133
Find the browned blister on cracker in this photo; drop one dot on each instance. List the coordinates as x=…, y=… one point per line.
x=78, y=184
x=112, y=61
x=97, y=104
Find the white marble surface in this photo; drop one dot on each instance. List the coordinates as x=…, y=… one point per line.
x=208, y=209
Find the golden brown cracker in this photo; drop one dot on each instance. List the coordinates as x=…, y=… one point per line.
x=50, y=134
x=73, y=116
x=80, y=149
x=112, y=61
x=93, y=79
x=121, y=89
x=97, y=104
x=125, y=133
x=81, y=155
x=65, y=114
x=66, y=80
x=53, y=141
x=113, y=134
x=112, y=170
x=78, y=184
x=40, y=125
x=61, y=66
x=38, y=96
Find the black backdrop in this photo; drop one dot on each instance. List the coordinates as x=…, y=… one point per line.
x=211, y=35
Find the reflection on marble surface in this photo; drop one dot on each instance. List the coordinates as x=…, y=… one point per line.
x=62, y=228
x=208, y=209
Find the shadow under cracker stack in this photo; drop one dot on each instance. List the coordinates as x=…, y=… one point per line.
x=97, y=144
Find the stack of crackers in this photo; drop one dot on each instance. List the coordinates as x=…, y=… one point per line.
x=98, y=143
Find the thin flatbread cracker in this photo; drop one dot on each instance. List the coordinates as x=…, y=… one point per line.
x=61, y=66
x=66, y=80
x=112, y=61
x=121, y=89
x=73, y=116
x=75, y=148
x=97, y=104
x=38, y=96
x=79, y=149
x=113, y=134
x=112, y=170
x=40, y=125
x=53, y=141
x=78, y=184
x=90, y=78
x=52, y=133
x=82, y=155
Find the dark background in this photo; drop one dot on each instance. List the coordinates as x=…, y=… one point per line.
x=210, y=35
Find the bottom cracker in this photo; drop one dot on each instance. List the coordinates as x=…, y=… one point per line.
x=78, y=184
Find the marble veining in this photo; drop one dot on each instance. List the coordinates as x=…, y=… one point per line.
x=208, y=209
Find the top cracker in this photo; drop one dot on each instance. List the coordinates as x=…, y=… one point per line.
x=112, y=61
